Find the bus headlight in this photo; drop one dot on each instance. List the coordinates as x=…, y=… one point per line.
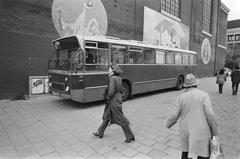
x=66, y=78
x=67, y=88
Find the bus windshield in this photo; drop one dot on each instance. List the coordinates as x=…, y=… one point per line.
x=66, y=60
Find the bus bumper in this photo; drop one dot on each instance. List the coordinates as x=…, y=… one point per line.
x=62, y=95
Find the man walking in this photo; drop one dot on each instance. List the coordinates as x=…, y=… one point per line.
x=197, y=123
x=235, y=78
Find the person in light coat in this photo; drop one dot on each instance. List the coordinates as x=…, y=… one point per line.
x=113, y=113
x=196, y=117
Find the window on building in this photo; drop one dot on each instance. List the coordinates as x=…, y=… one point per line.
x=207, y=10
x=237, y=37
x=230, y=37
x=171, y=6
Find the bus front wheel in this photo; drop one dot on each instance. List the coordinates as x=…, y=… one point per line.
x=180, y=82
x=125, y=91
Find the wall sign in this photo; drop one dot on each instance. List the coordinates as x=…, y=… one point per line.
x=206, y=51
x=38, y=85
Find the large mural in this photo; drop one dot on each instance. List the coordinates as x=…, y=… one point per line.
x=79, y=17
x=162, y=30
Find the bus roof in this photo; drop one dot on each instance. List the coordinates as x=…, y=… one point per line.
x=115, y=40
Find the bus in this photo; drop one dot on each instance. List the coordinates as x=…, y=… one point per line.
x=78, y=68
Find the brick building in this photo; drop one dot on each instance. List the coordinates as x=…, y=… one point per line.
x=27, y=29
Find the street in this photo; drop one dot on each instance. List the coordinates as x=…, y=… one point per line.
x=48, y=127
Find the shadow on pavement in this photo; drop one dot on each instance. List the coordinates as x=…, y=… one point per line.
x=154, y=93
x=77, y=105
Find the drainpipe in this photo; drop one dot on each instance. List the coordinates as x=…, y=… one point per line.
x=135, y=10
x=216, y=46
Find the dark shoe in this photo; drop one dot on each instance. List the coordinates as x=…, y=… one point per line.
x=98, y=135
x=129, y=140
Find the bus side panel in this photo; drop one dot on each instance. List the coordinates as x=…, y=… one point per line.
x=94, y=85
x=152, y=77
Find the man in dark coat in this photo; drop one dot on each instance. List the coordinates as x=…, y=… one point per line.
x=113, y=113
x=235, y=78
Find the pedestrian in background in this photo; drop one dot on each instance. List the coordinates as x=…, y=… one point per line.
x=221, y=79
x=113, y=113
x=197, y=123
x=235, y=78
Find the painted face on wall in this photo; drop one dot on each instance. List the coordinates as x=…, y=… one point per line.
x=206, y=51
x=79, y=17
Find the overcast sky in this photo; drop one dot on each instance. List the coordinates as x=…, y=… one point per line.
x=234, y=6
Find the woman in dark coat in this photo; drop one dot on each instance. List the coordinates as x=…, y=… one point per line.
x=113, y=113
x=221, y=79
x=235, y=78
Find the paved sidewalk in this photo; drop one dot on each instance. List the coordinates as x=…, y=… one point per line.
x=47, y=127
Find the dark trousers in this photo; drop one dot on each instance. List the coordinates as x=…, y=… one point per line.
x=220, y=88
x=235, y=88
x=126, y=129
x=185, y=156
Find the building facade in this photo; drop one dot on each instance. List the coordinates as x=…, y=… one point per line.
x=233, y=38
x=28, y=27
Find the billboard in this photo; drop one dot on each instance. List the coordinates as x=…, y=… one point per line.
x=162, y=30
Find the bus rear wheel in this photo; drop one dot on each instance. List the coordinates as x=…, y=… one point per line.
x=125, y=91
x=180, y=82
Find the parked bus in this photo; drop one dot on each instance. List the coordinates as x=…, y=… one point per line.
x=78, y=69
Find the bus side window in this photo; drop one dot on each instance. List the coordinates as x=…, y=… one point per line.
x=135, y=55
x=91, y=56
x=185, y=59
x=170, y=58
x=192, y=60
x=119, y=54
x=103, y=53
x=149, y=56
x=160, y=57
x=178, y=58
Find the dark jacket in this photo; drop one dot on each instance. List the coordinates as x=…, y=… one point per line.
x=113, y=108
x=235, y=76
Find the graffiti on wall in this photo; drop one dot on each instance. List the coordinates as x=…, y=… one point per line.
x=206, y=51
x=162, y=30
x=79, y=17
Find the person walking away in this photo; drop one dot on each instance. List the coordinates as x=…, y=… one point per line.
x=113, y=113
x=235, y=78
x=221, y=79
x=197, y=124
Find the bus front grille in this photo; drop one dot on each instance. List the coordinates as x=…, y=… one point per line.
x=58, y=86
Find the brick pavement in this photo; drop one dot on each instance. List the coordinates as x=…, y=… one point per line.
x=47, y=127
